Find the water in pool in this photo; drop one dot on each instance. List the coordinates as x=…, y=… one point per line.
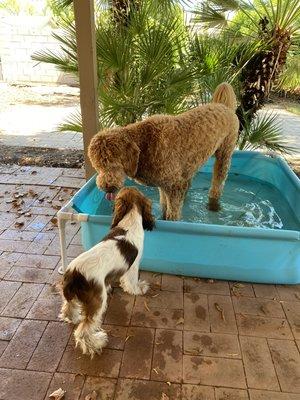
x=245, y=202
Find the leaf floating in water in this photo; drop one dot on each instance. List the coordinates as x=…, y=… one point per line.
x=58, y=394
x=221, y=311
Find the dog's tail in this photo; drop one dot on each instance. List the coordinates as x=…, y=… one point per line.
x=224, y=94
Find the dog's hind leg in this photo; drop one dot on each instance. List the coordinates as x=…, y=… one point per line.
x=71, y=312
x=221, y=167
x=89, y=334
x=163, y=202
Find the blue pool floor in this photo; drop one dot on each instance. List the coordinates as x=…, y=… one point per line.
x=245, y=202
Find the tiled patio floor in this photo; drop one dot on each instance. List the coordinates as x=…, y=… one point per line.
x=187, y=339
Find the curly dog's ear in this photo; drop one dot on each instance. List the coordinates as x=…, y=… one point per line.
x=131, y=159
x=148, y=218
x=121, y=209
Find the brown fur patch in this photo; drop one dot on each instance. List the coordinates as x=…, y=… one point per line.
x=87, y=292
x=128, y=251
x=125, y=201
x=113, y=276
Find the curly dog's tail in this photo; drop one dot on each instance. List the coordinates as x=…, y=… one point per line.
x=224, y=94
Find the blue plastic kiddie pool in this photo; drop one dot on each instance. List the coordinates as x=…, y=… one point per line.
x=255, y=237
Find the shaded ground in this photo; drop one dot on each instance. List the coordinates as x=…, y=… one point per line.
x=43, y=157
x=187, y=339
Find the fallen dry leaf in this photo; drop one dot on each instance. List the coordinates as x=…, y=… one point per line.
x=54, y=221
x=221, y=311
x=33, y=172
x=238, y=285
x=91, y=396
x=146, y=306
x=19, y=224
x=155, y=295
x=58, y=394
x=210, y=281
x=127, y=337
x=168, y=383
x=180, y=321
x=297, y=296
x=164, y=396
x=28, y=214
x=155, y=370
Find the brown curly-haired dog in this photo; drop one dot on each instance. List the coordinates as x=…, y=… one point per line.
x=166, y=151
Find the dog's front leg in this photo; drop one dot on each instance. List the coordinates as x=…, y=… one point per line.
x=130, y=282
x=175, y=198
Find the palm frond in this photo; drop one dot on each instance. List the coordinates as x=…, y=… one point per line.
x=72, y=123
x=265, y=131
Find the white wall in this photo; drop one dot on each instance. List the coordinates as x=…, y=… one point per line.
x=20, y=37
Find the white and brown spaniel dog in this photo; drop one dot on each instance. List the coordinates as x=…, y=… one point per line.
x=87, y=279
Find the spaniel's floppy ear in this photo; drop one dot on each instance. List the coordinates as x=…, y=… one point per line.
x=148, y=218
x=131, y=159
x=121, y=209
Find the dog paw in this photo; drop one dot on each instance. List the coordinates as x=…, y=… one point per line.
x=143, y=286
x=92, y=343
x=213, y=204
x=136, y=290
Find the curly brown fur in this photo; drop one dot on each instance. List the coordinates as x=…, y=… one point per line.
x=166, y=151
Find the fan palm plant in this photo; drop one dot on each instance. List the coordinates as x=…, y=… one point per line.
x=275, y=23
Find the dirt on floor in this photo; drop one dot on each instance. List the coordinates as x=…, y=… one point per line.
x=40, y=156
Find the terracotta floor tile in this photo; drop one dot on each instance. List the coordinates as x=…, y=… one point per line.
x=205, y=286
x=267, y=395
x=104, y=387
x=241, y=289
x=33, y=275
x=251, y=325
x=8, y=327
x=71, y=383
x=48, y=353
x=107, y=364
x=196, y=312
x=289, y=292
x=167, y=357
x=260, y=372
x=265, y=291
x=157, y=318
x=172, y=283
x=231, y=394
x=18, y=352
x=25, y=385
x=160, y=299
x=255, y=306
x=7, y=290
x=22, y=301
x=128, y=389
x=213, y=371
x=292, y=310
x=38, y=261
x=119, y=308
x=197, y=392
x=47, y=305
x=211, y=344
x=137, y=364
x=286, y=359
x=221, y=322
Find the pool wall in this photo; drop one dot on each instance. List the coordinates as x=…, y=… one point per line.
x=215, y=251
